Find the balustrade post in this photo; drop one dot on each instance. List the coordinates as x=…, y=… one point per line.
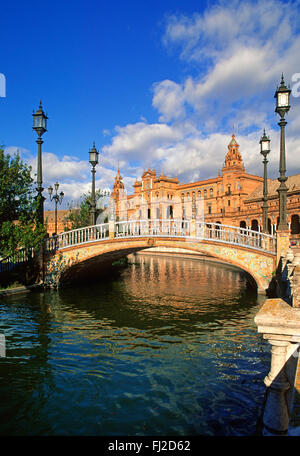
x=276, y=412
x=264, y=242
x=283, y=243
x=280, y=325
x=193, y=230
x=111, y=229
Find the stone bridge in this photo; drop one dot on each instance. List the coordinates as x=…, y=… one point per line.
x=86, y=252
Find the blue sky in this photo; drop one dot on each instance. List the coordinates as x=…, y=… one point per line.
x=153, y=83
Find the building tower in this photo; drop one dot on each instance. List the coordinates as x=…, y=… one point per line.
x=118, y=187
x=233, y=159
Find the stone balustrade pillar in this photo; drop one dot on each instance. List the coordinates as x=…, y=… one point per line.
x=283, y=244
x=111, y=229
x=279, y=323
x=193, y=228
x=276, y=412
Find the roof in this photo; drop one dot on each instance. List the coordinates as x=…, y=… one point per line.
x=292, y=183
x=233, y=141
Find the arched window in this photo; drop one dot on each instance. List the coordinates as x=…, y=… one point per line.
x=211, y=192
x=170, y=212
x=269, y=226
x=295, y=226
x=254, y=225
x=205, y=193
x=243, y=224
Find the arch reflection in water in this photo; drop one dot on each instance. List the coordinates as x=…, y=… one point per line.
x=169, y=347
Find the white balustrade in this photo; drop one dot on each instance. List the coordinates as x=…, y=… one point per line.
x=235, y=235
x=165, y=228
x=156, y=227
x=78, y=236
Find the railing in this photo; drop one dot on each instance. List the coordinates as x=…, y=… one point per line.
x=20, y=257
x=78, y=236
x=156, y=227
x=235, y=235
x=164, y=228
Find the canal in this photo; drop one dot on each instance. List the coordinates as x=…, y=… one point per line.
x=167, y=347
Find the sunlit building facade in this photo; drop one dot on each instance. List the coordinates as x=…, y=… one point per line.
x=233, y=198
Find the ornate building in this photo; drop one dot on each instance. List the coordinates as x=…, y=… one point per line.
x=49, y=220
x=234, y=197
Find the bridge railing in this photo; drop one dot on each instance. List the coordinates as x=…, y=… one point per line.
x=78, y=236
x=21, y=256
x=235, y=235
x=164, y=227
x=155, y=227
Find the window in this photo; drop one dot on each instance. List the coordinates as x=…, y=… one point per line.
x=209, y=208
x=211, y=192
x=228, y=202
x=205, y=193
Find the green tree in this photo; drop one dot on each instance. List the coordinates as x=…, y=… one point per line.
x=18, y=226
x=80, y=213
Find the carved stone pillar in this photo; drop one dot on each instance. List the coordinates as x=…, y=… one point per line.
x=276, y=412
x=283, y=243
x=279, y=323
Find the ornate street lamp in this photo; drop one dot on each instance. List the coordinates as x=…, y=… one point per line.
x=57, y=198
x=40, y=126
x=282, y=96
x=93, y=159
x=265, y=150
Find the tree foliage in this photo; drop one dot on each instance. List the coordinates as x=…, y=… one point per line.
x=18, y=225
x=80, y=213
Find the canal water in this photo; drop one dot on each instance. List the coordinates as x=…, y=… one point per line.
x=168, y=347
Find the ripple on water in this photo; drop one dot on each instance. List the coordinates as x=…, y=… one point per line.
x=153, y=352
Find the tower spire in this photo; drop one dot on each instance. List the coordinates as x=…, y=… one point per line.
x=233, y=159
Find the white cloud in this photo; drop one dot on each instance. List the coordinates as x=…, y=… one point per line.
x=141, y=140
x=240, y=49
x=169, y=100
x=232, y=55
x=66, y=168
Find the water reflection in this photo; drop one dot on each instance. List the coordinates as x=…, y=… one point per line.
x=168, y=348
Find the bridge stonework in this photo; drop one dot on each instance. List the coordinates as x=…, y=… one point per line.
x=68, y=263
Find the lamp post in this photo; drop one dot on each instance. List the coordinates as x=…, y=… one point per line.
x=282, y=96
x=93, y=159
x=40, y=126
x=265, y=150
x=57, y=198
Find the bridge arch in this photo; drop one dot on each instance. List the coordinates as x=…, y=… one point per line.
x=81, y=261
